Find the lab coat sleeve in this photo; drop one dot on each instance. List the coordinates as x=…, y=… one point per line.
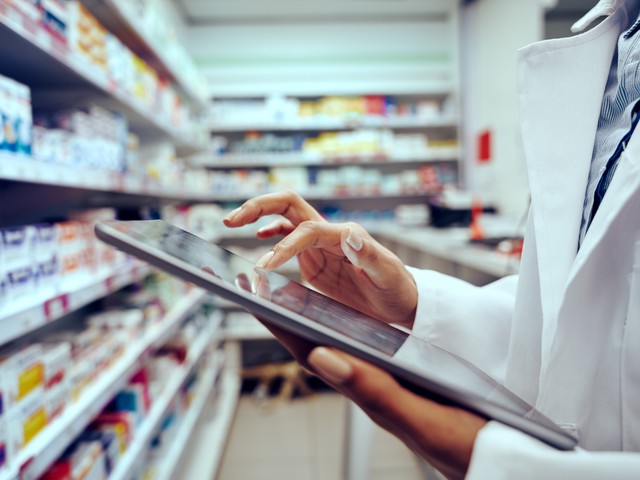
x=502, y=453
x=469, y=321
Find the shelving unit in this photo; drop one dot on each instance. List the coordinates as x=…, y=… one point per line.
x=210, y=377
x=46, y=448
x=33, y=191
x=233, y=161
x=204, y=450
x=27, y=52
x=121, y=16
x=22, y=169
x=371, y=175
x=394, y=122
x=53, y=303
x=135, y=451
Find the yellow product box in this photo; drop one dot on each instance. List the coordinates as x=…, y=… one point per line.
x=22, y=373
x=26, y=421
x=146, y=81
x=86, y=36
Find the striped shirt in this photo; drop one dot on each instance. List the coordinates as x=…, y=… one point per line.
x=617, y=116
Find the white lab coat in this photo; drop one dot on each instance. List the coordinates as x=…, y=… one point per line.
x=565, y=334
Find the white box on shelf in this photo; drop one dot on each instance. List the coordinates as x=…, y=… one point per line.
x=22, y=373
x=17, y=246
x=26, y=421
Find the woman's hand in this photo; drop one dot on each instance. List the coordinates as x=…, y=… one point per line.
x=341, y=260
x=442, y=435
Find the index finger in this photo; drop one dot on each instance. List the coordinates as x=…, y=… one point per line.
x=288, y=204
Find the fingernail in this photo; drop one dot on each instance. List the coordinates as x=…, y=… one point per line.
x=262, y=263
x=254, y=282
x=354, y=240
x=232, y=214
x=329, y=365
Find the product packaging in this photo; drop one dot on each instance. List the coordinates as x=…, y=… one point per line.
x=25, y=421
x=22, y=373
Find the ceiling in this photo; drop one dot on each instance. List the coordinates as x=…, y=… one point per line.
x=213, y=12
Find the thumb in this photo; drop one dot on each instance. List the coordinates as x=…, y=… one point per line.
x=365, y=253
x=374, y=390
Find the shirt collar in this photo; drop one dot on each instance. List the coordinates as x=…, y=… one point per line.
x=604, y=8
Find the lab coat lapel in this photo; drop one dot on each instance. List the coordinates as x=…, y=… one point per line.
x=561, y=83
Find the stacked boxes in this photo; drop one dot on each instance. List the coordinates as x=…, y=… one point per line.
x=50, y=14
x=85, y=138
x=49, y=258
x=22, y=384
x=87, y=38
x=15, y=117
x=17, y=247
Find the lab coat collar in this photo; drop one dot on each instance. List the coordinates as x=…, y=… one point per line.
x=561, y=84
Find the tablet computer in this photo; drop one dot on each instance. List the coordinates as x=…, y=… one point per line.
x=418, y=365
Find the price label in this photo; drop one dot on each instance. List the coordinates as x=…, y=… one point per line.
x=111, y=283
x=56, y=307
x=25, y=467
x=112, y=86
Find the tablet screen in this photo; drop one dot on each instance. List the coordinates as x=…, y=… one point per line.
x=269, y=285
x=443, y=375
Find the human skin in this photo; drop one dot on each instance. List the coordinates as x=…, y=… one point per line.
x=344, y=262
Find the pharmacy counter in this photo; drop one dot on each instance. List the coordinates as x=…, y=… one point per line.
x=445, y=250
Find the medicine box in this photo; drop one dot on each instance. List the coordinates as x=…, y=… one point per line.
x=22, y=373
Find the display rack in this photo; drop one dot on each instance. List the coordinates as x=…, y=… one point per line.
x=54, y=303
x=34, y=460
x=397, y=123
x=312, y=195
x=34, y=191
x=206, y=445
x=406, y=144
x=125, y=467
x=296, y=159
x=23, y=169
x=210, y=377
x=28, y=51
x=121, y=16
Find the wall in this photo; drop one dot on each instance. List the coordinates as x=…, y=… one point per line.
x=339, y=57
x=492, y=31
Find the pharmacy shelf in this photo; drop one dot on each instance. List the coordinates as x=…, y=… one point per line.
x=241, y=326
x=36, y=458
x=136, y=450
x=451, y=245
x=20, y=168
x=294, y=159
x=209, y=439
x=312, y=195
x=174, y=454
x=121, y=16
x=398, y=123
x=20, y=318
x=32, y=56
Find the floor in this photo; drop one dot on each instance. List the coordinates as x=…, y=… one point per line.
x=303, y=439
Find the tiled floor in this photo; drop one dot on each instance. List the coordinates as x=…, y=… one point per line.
x=304, y=440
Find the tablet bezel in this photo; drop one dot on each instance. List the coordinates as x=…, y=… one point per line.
x=319, y=334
